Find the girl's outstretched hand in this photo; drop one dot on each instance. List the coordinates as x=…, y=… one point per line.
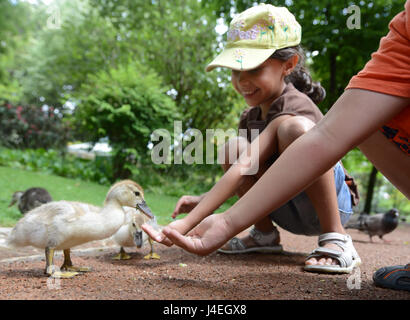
x=205, y=238
x=185, y=204
x=159, y=236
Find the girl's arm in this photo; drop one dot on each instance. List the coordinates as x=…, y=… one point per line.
x=265, y=144
x=353, y=118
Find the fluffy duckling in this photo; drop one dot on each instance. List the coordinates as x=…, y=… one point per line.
x=30, y=199
x=131, y=234
x=61, y=225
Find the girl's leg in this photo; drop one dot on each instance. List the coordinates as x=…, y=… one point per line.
x=321, y=192
x=229, y=153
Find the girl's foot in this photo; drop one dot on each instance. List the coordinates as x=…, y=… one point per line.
x=324, y=260
x=329, y=259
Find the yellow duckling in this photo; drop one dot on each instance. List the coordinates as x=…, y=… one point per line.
x=61, y=225
x=131, y=234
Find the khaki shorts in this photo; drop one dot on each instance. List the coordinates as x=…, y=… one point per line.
x=299, y=216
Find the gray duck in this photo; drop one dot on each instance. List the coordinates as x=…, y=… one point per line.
x=30, y=199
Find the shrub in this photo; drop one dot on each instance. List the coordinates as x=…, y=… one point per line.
x=125, y=104
x=32, y=127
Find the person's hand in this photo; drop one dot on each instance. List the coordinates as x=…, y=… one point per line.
x=158, y=236
x=205, y=238
x=185, y=205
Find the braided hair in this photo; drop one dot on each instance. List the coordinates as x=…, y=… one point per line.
x=300, y=76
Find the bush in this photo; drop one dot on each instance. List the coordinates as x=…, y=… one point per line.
x=32, y=127
x=125, y=104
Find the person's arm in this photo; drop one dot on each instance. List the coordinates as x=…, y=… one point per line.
x=264, y=144
x=354, y=117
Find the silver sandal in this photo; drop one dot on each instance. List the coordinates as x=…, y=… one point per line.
x=263, y=240
x=348, y=258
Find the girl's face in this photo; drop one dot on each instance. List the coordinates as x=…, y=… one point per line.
x=261, y=86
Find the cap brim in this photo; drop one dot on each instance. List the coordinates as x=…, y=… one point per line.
x=240, y=59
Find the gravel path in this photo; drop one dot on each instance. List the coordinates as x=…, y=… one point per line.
x=179, y=275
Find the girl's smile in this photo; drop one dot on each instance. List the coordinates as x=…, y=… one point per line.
x=262, y=85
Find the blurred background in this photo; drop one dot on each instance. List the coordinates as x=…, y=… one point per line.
x=84, y=83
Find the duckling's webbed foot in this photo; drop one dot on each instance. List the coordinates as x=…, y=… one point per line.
x=152, y=254
x=53, y=270
x=68, y=265
x=122, y=255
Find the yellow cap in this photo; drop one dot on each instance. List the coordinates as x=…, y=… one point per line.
x=255, y=34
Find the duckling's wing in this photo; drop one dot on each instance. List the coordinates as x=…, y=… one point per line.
x=76, y=210
x=65, y=210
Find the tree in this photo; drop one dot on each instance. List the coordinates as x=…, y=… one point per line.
x=125, y=104
x=177, y=39
x=17, y=23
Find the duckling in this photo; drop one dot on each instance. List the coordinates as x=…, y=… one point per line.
x=131, y=234
x=30, y=199
x=61, y=225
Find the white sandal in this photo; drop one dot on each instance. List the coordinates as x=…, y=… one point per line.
x=348, y=258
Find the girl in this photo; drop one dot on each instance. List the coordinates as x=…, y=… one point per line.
x=267, y=65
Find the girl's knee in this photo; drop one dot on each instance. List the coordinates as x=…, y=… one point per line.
x=292, y=128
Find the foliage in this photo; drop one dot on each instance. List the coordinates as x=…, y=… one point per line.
x=61, y=58
x=177, y=39
x=53, y=162
x=126, y=105
x=18, y=22
x=32, y=127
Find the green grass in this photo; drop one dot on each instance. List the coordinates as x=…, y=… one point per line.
x=60, y=188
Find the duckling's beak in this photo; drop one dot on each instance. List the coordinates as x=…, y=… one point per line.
x=138, y=239
x=145, y=209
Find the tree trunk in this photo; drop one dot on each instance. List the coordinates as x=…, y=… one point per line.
x=370, y=190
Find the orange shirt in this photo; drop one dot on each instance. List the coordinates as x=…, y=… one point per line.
x=389, y=72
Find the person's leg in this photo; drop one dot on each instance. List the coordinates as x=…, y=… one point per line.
x=229, y=153
x=322, y=192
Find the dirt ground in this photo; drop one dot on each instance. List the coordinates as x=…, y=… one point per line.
x=179, y=275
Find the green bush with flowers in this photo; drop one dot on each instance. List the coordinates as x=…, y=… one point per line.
x=29, y=126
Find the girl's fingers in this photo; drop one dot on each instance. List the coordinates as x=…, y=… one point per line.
x=178, y=207
x=155, y=235
x=187, y=243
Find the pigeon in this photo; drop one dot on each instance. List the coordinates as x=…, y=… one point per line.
x=30, y=199
x=377, y=224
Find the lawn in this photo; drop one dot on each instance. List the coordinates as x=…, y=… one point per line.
x=60, y=188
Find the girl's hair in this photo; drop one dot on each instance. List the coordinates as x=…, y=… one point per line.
x=300, y=76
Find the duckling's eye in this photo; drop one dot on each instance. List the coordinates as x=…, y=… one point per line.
x=137, y=193
x=134, y=225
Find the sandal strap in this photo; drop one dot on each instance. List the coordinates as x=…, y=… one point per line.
x=334, y=237
x=236, y=244
x=262, y=238
x=342, y=257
